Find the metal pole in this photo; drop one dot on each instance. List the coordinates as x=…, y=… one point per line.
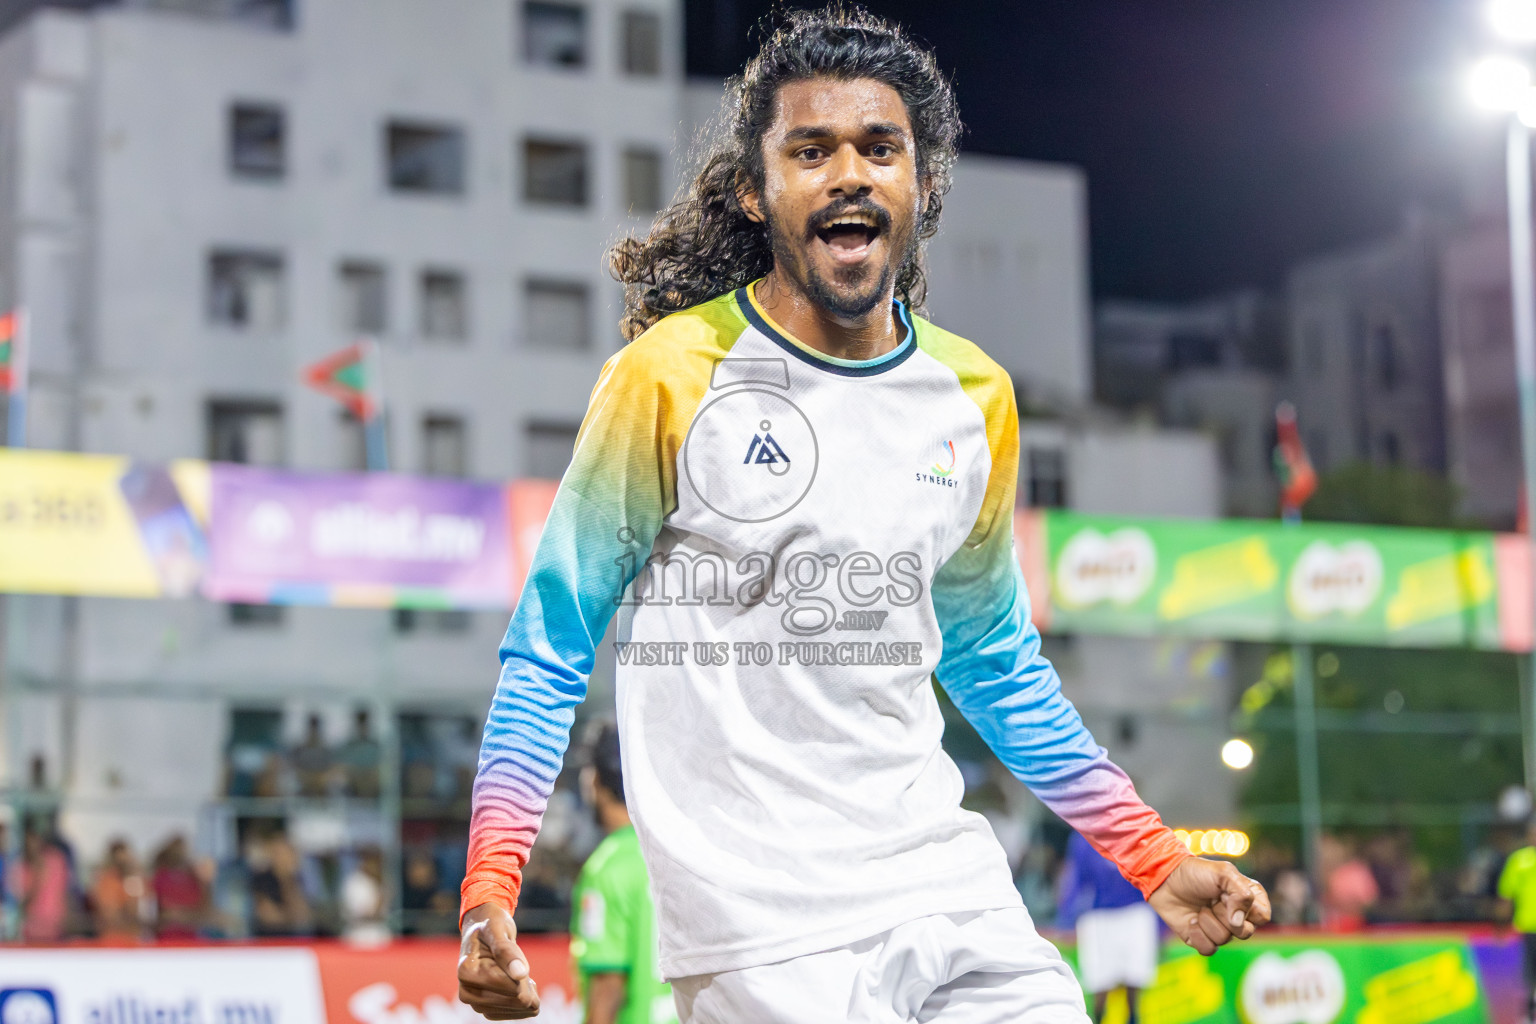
x=375, y=435
x=1307, y=775
x=1523, y=298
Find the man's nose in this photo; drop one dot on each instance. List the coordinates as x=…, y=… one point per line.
x=849, y=172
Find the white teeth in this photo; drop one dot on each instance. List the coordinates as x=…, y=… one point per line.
x=858, y=220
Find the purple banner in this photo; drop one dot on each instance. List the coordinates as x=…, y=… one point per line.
x=372, y=539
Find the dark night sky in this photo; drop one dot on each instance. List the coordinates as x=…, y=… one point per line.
x=1223, y=139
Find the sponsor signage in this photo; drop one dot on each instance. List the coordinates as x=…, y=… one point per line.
x=111, y=526
x=160, y=986
x=1260, y=580
x=412, y=981
x=371, y=539
x=1320, y=980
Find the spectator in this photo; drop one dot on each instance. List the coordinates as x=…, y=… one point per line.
x=181, y=894
x=359, y=759
x=312, y=761
x=1037, y=881
x=1517, y=884
x=116, y=895
x=41, y=884
x=1116, y=930
x=278, y=904
x=364, y=909
x=1349, y=888
x=429, y=907
x=1292, y=894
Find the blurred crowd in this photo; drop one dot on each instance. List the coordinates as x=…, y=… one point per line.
x=303, y=853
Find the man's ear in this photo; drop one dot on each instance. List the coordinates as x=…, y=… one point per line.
x=750, y=201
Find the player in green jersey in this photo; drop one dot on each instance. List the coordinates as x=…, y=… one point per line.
x=613, y=938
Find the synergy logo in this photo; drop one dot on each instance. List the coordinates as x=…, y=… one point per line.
x=28, y=1006
x=939, y=469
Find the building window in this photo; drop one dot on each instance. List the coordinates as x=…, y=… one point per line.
x=266, y=13
x=642, y=180
x=436, y=620
x=550, y=445
x=641, y=35
x=1391, y=452
x=555, y=172
x=554, y=35
x=257, y=615
x=444, y=446
x=557, y=315
x=1047, y=477
x=1388, y=369
x=425, y=158
x=444, y=306
x=245, y=290
x=1312, y=349
x=363, y=298
x=256, y=141
x=245, y=431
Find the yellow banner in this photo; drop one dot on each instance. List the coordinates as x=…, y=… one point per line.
x=97, y=524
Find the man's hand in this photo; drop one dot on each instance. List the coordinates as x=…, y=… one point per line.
x=493, y=972
x=1208, y=903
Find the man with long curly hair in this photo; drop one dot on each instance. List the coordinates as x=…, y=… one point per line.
x=798, y=496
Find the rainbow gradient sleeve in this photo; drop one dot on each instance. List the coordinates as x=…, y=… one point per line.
x=993, y=670
x=610, y=504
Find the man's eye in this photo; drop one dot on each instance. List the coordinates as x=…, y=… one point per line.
x=882, y=150
x=811, y=153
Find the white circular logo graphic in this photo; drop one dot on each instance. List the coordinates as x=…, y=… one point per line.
x=1328, y=579
x=750, y=455
x=1306, y=989
x=270, y=523
x=1118, y=568
x=26, y=1008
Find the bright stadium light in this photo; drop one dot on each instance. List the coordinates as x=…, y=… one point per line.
x=1515, y=20
x=1499, y=83
x=1236, y=754
x=1222, y=842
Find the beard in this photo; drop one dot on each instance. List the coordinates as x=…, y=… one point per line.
x=851, y=292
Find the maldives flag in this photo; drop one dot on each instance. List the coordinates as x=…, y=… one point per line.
x=1298, y=480
x=11, y=376
x=345, y=377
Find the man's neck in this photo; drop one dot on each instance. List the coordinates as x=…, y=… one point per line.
x=866, y=337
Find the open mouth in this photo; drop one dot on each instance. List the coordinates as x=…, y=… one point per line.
x=850, y=235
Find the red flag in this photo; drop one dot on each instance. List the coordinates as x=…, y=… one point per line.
x=1298, y=480
x=344, y=376
x=10, y=352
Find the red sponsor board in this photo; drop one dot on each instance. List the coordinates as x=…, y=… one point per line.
x=414, y=982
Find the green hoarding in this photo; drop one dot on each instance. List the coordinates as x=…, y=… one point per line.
x=1238, y=579
x=1316, y=980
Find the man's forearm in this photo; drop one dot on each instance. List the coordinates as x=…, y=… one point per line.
x=606, y=995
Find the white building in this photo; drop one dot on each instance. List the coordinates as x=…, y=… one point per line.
x=203, y=196
x=197, y=203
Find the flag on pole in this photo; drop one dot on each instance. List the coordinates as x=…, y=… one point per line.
x=13, y=367
x=348, y=376
x=1298, y=480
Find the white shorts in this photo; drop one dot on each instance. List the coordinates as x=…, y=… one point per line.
x=1117, y=947
x=987, y=967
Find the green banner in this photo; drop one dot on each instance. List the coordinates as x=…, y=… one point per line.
x=1422, y=980
x=1262, y=580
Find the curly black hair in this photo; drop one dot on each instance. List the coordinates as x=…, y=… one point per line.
x=705, y=245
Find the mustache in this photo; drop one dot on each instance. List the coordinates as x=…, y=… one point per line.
x=825, y=216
